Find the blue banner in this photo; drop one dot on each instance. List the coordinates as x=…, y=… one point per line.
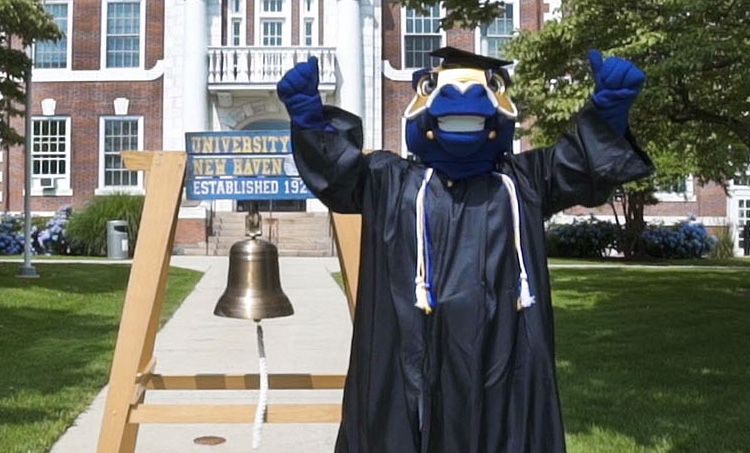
x=261, y=188
x=242, y=165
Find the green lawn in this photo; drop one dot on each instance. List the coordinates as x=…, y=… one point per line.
x=57, y=336
x=654, y=360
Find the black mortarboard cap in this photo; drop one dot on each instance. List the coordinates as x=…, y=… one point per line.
x=453, y=57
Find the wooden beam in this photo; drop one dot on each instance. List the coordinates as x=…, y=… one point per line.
x=234, y=413
x=145, y=291
x=137, y=160
x=245, y=382
x=347, y=230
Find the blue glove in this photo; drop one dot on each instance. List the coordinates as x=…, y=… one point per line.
x=618, y=82
x=298, y=90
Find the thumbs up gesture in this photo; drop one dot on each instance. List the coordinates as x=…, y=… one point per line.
x=618, y=83
x=298, y=90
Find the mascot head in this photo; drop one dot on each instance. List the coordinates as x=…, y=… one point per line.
x=461, y=118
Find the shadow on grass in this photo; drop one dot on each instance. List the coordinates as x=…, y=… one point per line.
x=67, y=277
x=659, y=356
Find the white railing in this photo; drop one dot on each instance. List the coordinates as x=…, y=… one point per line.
x=265, y=65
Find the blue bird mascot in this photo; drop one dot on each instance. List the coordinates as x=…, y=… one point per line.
x=453, y=343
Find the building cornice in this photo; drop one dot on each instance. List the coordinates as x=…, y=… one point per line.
x=101, y=75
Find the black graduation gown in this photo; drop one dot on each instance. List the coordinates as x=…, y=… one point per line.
x=476, y=375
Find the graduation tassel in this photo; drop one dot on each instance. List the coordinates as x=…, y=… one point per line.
x=421, y=280
x=525, y=299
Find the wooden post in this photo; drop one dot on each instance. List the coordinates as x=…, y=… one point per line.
x=145, y=292
x=133, y=363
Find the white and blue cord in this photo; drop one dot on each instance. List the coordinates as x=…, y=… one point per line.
x=260, y=410
x=525, y=299
x=421, y=281
x=424, y=299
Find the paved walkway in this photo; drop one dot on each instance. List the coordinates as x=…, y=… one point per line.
x=314, y=340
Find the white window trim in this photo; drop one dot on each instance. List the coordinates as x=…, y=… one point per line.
x=69, y=46
x=108, y=190
x=141, y=38
x=516, y=25
x=313, y=36
x=62, y=188
x=403, y=37
x=285, y=15
x=679, y=197
x=233, y=16
x=305, y=15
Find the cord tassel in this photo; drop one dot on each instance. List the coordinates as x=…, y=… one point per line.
x=525, y=299
x=422, y=292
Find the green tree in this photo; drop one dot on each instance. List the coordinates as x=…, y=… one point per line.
x=693, y=116
x=21, y=23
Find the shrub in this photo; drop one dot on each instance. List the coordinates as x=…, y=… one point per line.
x=87, y=229
x=11, y=237
x=590, y=238
x=51, y=239
x=724, y=247
x=681, y=241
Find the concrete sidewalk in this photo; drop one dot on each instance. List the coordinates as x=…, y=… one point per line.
x=194, y=341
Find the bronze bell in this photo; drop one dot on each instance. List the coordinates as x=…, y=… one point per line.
x=253, y=286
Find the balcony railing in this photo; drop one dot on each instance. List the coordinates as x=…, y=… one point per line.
x=265, y=65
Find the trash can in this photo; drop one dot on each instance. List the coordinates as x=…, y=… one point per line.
x=117, y=239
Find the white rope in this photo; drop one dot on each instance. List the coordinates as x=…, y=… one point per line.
x=260, y=411
x=525, y=299
x=422, y=289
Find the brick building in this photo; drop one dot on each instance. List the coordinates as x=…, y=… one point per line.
x=140, y=74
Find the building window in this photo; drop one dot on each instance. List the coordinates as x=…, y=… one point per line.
x=272, y=6
x=741, y=180
x=309, y=32
x=48, y=54
x=308, y=6
x=50, y=152
x=272, y=32
x=679, y=190
x=236, y=31
x=236, y=6
x=117, y=135
x=497, y=33
x=422, y=36
x=123, y=25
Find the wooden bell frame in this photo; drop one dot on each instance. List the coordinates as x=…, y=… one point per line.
x=133, y=364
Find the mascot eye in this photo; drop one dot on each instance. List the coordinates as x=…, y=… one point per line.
x=496, y=83
x=426, y=85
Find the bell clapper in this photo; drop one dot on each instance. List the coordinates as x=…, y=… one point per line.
x=492, y=135
x=260, y=411
x=430, y=135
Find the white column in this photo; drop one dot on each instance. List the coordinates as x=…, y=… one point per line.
x=349, y=56
x=195, y=69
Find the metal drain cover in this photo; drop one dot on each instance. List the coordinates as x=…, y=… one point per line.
x=209, y=440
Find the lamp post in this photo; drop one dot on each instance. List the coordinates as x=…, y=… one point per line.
x=27, y=270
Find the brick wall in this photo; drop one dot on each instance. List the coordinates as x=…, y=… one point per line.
x=710, y=201
x=87, y=39
x=86, y=102
x=531, y=13
x=190, y=231
x=87, y=44
x=391, y=36
x=250, y=29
